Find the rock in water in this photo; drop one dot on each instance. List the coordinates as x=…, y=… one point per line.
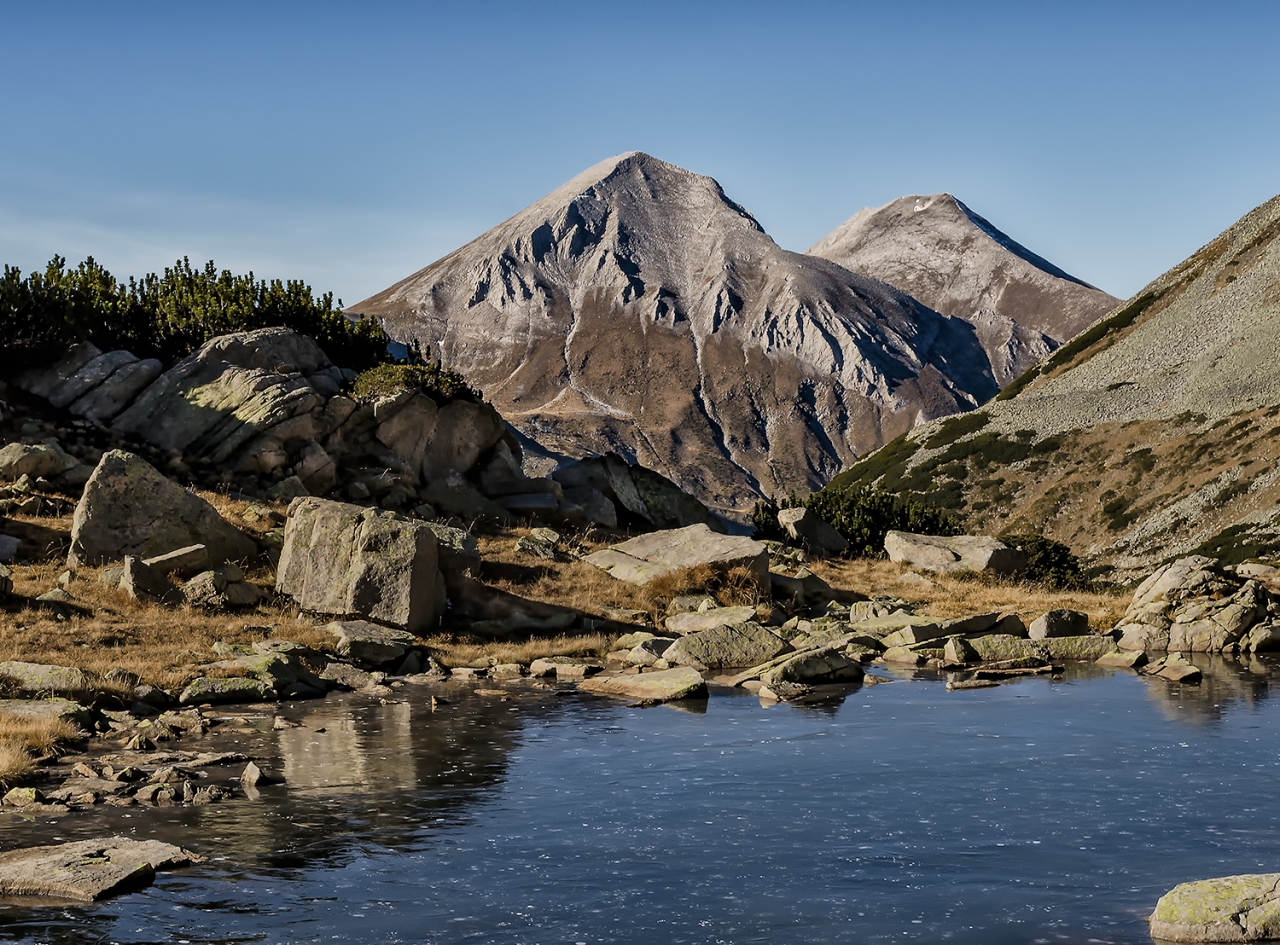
x=1192, y=606
x=640, y=560
x=958, y=553
x=342, y=559
x=809, y=530
x=88, y=870
x=1243, y=908
x=129, y=508
x=662, y=686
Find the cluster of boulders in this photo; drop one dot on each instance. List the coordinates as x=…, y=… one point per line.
x=1196, y=605
x=266, y=413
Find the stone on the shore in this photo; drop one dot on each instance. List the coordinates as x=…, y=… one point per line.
x=563, y=667
x=1243, y=908
x=642, y=559
x=712, y=617
x=1175, y=668
x=998, y=646
x=1085, y=646
x=1059, y=623
x=822, y=665
x=128, y=508
x=207, y=691
x=746, y=644
x=1192, y=605
x=1122, y=659
x=46, y=679
x=807, y=528
x=959, y=650
x=368, y=643
x=350, y=677
x=88, y=870
x=342, y=559
x=943, y=554
x=664, y=685
x=47, y=709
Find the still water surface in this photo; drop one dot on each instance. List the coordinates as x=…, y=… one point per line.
x=1039, y=812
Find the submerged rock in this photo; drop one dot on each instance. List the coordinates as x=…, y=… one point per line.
x=88, y=870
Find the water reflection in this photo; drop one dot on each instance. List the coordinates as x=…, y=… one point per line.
x=1226, y=681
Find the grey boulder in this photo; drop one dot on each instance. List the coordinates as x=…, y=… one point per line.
x=1243, y=908
x=943, y=554
x=641, y=560
x=88, y=870
x=747, y=644
x=129, y=508
x=807, y=529
x=665, y=685
x=1059, y=623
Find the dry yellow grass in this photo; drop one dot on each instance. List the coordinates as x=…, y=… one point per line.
x=24, y=739
x=456, y=653
x=160, y=644
x=946, y=596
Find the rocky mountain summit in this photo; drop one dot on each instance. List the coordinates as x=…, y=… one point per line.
x=639, y=310
x=1152, y=435
x=941, y=253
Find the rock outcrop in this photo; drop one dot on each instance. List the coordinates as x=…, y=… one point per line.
x=956, y=553
x=344, y=560
x=807, y=529
x=638, y=310
x=1242, y=908
x=88, y=870
x=129, y=508
x=1195, y=606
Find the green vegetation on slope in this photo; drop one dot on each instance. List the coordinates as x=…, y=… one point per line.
x=390, y=380
x=168, y=316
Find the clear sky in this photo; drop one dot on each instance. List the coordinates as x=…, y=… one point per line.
x=351, y=144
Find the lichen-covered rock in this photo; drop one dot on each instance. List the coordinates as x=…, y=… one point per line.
x=46, y=679
x=34, y=460
x=999, y=646
x=1243, y=908
x=640, y=560
x=456, y=548
x=665, y=685
x=343, y=560
x=823, y=665
x=959, y=553
x=47, y=709
x=208, y=690
x=367, y=643
x=1193, y=605
x=747, y=644
x=129, y=508
x=712, y=617
x=1059, y=623
x=1082, y=647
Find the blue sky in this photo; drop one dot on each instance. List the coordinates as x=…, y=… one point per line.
x=351, y=144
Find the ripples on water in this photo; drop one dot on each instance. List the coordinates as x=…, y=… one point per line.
x=1038, y=812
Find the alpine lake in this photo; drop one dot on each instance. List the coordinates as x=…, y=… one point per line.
x=1042, y=811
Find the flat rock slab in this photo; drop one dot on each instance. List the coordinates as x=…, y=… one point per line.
x=943, y=554
x=365, y=642
x=1083, y=647
x=747, y=644
x=651, y=556
x=663, y=686
x=1242, y=908
x=88, y=870
x=43, y=709
x=715, y=617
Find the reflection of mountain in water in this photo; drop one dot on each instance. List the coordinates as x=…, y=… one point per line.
x=1226, y=681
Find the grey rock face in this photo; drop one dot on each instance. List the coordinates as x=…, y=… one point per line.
x=940, y=252
x=821, y=665
x=367, y=643
x=810, y=531
x=665, y=685
x=209, y=691
x=343, y=560
x=128, y=508
x=638, y=310
x=958, y=553
x=640, y=560
x=697, y=621
x=34, y=460
x=1243, y=908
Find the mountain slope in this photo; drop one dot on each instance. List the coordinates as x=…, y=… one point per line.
x=637, y=309
x=1153, y=434
x=943, y=254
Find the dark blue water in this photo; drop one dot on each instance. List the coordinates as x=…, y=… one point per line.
x=1040, y=811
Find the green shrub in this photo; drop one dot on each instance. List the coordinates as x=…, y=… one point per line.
x=389, y=380
x=955, y=427
x=168, y=316
x=764, y=517
x=864, y=515
x=1049, y=562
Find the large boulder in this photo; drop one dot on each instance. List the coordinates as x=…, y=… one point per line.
x=1059, y=623
x=88, y=870
x=632, y=490
x=129, y=508
x=1192, y=605
x=807, y=529
x=367, y=643
x=238, y=396
x=640, y=560
x=345, y=560
x=665, y=685
x=748, y=644
x=696, y=621
x=826, y=664
x=1243, y=908
x=943, y=554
